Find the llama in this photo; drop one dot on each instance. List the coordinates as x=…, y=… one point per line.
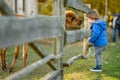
x=16, y=53
x=72, y=20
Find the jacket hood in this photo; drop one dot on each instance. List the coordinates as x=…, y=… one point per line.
x=101, y=23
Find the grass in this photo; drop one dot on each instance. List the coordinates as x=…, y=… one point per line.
x=111, y=66
x=78, y=70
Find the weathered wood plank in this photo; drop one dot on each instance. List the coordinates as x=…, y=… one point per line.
x=32, y=67
x=78, y=4
x=51, y=75
x=5, y=9
x=16, y=31
x=42, y=53
x=28, y=69
x=76, y=35
x=72, y=60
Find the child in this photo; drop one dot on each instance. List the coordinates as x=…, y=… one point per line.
x=98, y=37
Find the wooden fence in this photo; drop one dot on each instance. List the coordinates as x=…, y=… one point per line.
x=16, y=31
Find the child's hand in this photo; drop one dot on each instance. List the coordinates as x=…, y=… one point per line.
x=90, y=44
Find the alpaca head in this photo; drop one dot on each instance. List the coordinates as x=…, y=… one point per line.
x=72, y=19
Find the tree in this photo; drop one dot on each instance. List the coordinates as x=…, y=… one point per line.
x=113, y=5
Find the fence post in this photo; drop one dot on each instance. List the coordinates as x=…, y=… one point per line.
x=59, y=10
x=57, y=44
x=63, y=16
x=56, y=12
x=86, y=52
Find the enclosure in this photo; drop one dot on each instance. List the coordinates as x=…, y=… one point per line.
x=38, y=27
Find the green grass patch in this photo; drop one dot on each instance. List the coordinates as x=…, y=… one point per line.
x=78, y=70
x=111, y=66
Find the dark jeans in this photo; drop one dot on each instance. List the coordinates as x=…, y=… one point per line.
x=114, y=36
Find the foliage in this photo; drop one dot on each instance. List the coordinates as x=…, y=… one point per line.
x=113, y=5
x=45, y=7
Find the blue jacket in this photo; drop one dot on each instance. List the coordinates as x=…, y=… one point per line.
x=99, y=33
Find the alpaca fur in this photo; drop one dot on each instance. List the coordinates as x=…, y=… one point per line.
x=72, y=19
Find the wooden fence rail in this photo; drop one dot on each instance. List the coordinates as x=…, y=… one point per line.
x=79, y=5
x=52, y=75
x=15, y=31
x=32, y=67
x=5, y=9
x=76, y=35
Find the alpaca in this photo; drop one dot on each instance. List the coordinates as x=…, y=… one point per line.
x=16, y=53
x=72, y=20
